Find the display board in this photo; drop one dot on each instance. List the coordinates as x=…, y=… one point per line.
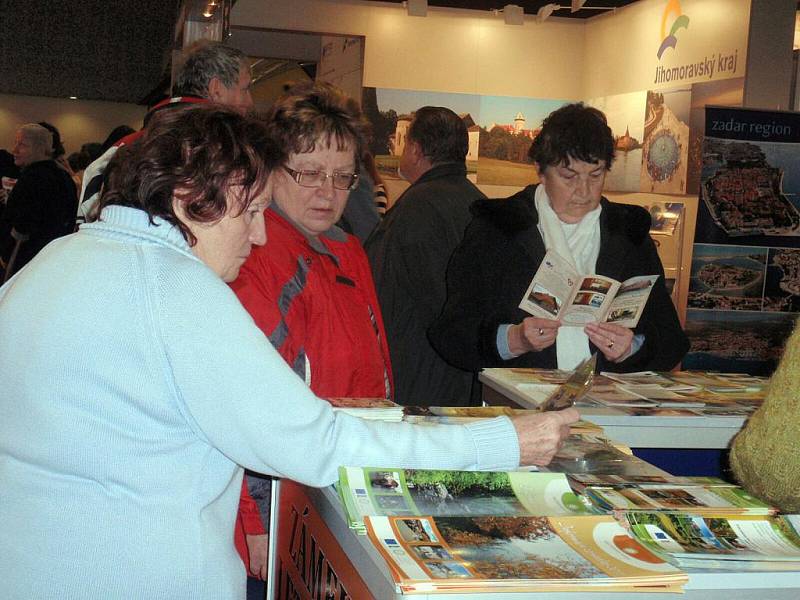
x=744, y=293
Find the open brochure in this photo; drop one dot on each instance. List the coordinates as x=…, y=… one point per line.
x=388, y=492
x=569, y=553
x=557, y=292
x=719, y=541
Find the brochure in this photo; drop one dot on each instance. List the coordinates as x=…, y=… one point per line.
x=390, y=492
x=698, y=499
x=569, y=553
x=557, y=292
x=719, y=541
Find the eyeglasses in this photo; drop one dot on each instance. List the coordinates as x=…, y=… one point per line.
x=315, y=179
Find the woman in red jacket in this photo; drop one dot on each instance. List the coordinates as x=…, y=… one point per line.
x=310, y=288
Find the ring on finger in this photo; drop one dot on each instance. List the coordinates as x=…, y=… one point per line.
x=610, y=344
x=541, y=331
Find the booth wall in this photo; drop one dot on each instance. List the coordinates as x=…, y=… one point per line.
x=449, y=50
x=78, y=121
x=622, y=49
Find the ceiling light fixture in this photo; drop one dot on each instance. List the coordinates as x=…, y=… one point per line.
x=513, y=14
x=548, y=9
x=416, y=8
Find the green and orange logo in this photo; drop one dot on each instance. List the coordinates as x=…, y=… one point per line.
x=681, y=21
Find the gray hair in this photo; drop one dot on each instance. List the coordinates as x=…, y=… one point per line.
x=38, y=136
x=202, y=62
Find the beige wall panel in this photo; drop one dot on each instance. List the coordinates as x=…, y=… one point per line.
x=449, y=50
x=78, y=121
x=535, y=60
x=621, y=49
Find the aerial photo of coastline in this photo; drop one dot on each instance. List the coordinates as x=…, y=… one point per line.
x=749, y=194
x=727, y=277
x=782, y=290
x=736, y=341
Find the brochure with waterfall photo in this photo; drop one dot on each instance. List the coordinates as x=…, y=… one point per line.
x=557, y=292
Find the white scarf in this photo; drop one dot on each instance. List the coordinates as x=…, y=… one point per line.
x=580, y=245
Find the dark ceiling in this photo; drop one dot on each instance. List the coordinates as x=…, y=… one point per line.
x=119, y=50
x=592, y=8
x=115, y=50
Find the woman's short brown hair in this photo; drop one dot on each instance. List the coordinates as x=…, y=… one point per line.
x=312, y=113
x=198, y=150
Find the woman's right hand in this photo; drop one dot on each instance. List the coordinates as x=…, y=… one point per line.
x=532, y=335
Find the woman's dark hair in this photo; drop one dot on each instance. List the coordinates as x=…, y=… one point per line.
x=312, y=113
x=193, y=154
x=119, y=132
x=57, y=151
x=574, y=131
x=78, y=161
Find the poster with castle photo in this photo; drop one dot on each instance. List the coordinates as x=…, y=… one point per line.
x=500, y=130
x=508, y=126
x=625, y=115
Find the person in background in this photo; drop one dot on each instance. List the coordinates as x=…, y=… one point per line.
x=379, y=187
x=208, y=72
x=309, y=288
x=765, y=455
x=58, y=153
x=360, y=215
x=9, y=173
x=41, y=206
x=114, y=136
x=78, y=161
x=151, y=429
x=409, y=252
x=481, y=324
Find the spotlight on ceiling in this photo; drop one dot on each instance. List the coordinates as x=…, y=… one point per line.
x=513, y=14
x=577, y=5
x=417, y=8
x=543, y=13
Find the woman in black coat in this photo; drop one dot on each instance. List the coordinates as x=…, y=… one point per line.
x=481, y=324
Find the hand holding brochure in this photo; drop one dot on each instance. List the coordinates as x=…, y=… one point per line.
x=557, y=292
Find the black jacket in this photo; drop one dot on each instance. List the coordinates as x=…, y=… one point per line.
x=492, y=268
x=42, y=205
x=409, y=252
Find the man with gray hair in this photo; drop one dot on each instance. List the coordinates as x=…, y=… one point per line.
x=41, y=207
x=409, y=252
x=207, y=72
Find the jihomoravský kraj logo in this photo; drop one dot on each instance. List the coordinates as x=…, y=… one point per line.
x=674, y=15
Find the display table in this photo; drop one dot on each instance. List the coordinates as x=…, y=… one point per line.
x=315, y=540
x=695, y=432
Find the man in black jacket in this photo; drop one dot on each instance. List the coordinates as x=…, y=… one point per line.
x=42, y=205
x=409, y=252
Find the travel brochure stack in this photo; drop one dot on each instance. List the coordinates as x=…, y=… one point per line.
x=596, y=519
x=673, y=394
x=443, y=531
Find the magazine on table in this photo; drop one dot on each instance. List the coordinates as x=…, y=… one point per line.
x=568, y=553
x=698, y=498
x=557, y=292
x=395, y=492
x=378, y=409
x=719, y=541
